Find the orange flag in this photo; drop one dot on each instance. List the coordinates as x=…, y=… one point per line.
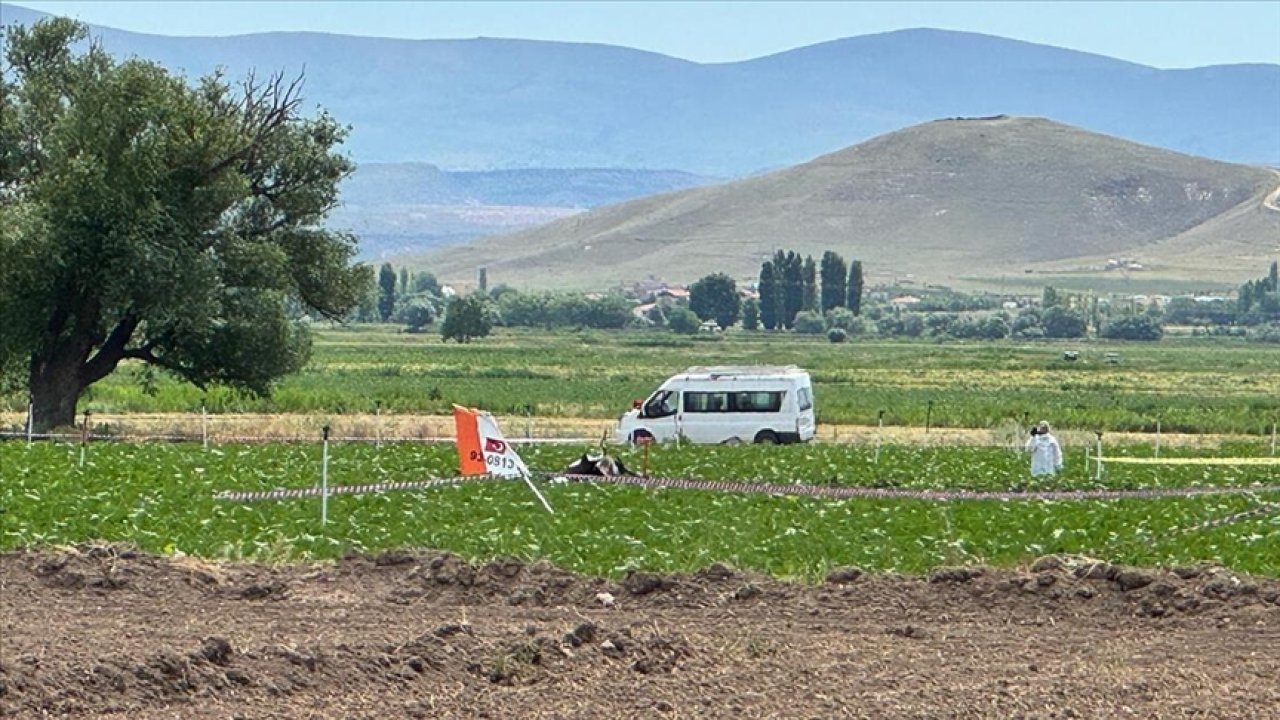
x=470, y=454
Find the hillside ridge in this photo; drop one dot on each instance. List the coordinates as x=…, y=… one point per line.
x=945, y=201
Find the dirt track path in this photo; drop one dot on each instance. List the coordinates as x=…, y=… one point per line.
x=1272, y=200
x=101, y=633
x=227, y=427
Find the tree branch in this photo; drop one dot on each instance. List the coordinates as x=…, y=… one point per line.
x=146, y=353
x=111, y=352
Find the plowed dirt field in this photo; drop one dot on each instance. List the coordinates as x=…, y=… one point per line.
x=102, y=631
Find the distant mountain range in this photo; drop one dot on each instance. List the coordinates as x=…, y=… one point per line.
x=515, y=122
x=499, y=104
x=952, y=201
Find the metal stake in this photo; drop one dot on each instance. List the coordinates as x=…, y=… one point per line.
x=324, y=480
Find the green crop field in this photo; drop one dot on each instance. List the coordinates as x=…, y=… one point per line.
x=1189, y=385
x=160, y=497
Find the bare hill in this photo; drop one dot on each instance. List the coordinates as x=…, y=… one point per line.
x=946, y=201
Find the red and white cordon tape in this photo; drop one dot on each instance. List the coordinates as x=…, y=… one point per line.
x=773, y=489
x=291, y=493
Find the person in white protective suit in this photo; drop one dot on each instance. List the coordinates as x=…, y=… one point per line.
x=1046, y=454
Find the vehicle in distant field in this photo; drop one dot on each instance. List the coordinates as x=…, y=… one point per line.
x=742, y=404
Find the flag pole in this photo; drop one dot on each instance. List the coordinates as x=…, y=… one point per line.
x=524, y=475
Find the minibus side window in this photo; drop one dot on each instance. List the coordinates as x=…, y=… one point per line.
x=706, y=402
x=759, y=401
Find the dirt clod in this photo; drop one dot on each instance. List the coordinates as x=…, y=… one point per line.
x=582, y=634
x=1130, y=579
x=956, y=574
x=643, y=583
x=840, y=576
x=216, y=650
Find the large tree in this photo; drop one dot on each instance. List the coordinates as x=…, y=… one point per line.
x=853, y=301
x=386, y=292
x=467, y=317
x=809, y=298
x=715, y=297
x=790, y=269
x=146, y=218
x=770, y=289
x=834, y=281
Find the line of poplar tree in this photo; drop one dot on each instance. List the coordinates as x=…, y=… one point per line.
x=790, y=284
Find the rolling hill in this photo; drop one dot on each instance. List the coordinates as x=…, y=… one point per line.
x=950, y=201
x=488, y=103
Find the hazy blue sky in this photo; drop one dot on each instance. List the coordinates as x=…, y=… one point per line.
x=1162, y=34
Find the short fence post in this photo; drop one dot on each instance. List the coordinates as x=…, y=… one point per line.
x=879, y=435
x=377, y=425
x=928, y=417
x=324, y=479
x=84, y=436
x=1273, y=438
x=31, y=422
x=1157, y=438
x=204, y=427
x=1098, y=457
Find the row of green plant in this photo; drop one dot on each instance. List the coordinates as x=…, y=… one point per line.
x=160, y=497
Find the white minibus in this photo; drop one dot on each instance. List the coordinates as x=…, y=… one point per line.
x=725, y=405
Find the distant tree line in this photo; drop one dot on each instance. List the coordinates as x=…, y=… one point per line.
x=789, y=285
x=807, y=297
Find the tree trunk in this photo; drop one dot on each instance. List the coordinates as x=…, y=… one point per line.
x=68, y=364
x=55, y=389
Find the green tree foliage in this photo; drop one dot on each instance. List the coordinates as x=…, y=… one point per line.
x=1062, y=322
x=1188, y=311
x=751, y=314
x=143, y=217
x=770, y=296
x=402, y=288
x=854, y=299
x=1133, y=327
x=417, y=313
x=835, y=281
x=425, y=282
x=683, y=320
x=837, y=335
x=790, y=267
x=467, y=317
x=715, y=297
x=558, y=310
x=809, y=322
x=656, y=315
x=905, y=325
x=386, y=292
x=1050, y=297
x=809, y=301
x=1258, y=301
x=993, y=327
x=841, y=317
